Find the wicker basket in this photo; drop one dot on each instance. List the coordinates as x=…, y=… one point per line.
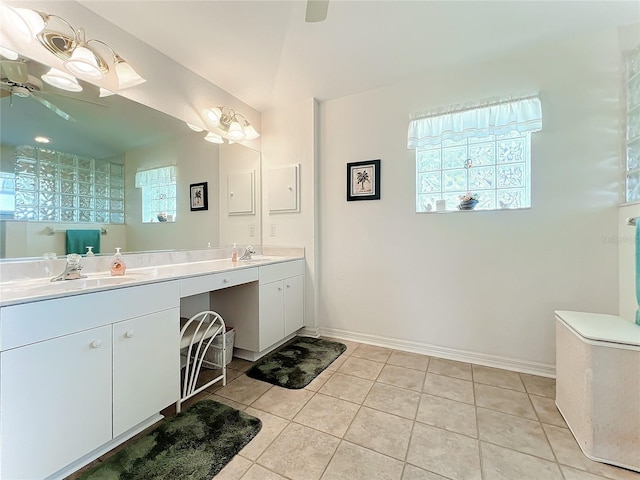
x=214, y=354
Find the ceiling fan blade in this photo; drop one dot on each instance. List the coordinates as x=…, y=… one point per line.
x=13, y=70
x=53, y=108
x=316, y=10
x=44, y=92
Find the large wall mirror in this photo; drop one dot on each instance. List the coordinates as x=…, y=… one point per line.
x=93, y=138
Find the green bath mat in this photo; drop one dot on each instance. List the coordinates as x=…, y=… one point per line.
x=194, y=445
x=297, y=363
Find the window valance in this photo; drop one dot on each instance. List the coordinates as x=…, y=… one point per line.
x=156, y=176
x=458, y=123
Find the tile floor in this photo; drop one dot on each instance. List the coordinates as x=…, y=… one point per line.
x=382, y=414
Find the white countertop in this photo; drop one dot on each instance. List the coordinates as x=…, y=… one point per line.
x=23, y=291
x=601, y=327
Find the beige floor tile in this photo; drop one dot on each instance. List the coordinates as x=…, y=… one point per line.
x=226, y=401
x=327, y=414
x=240, y=364
x=372, y=352
x=361, y=367
x=337, y=363
x=497, y=377
x=283, y=402
x=272, y=426
x=402, y=377
x=445, y=453
x=448, y=414
x=547, y=410
x=397, y=401
x=353, y=462
x=409, y=360
x=543, y=386
x=351, y=346
x=299, y=453
x=449, y=387
x=256, y=472
x=347, y=387
x=235, y=469
x=451, y=368
x=244, y=390
x=568, y=453
x=575, y=474
x=415, y=473
x=504, y=400
x=518, y=433
x=500, y=463
x=385, y=433
x=319, y=381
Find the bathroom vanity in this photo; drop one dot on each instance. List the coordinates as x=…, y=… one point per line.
x=85, y=366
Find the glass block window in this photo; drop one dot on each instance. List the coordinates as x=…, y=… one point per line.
x=158, y=194
x=496, y=168
x=7, y=194
x=633, y=126
x=53, y=186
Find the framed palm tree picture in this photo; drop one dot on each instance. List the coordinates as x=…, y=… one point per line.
x=363, y=180
x=198, y=196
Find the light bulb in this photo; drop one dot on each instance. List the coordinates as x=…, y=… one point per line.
x=62, y=80
x=84, y=64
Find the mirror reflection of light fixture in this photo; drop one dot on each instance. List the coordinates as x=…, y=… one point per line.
x=195, y=128
x=80, y=56
x=8, y=54
x=213, y=138
x=62, y=80
x=228, y=124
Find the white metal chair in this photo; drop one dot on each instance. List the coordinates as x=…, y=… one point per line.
x=197, y=335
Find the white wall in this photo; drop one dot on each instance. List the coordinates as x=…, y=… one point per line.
x=481, y=284
x=196, y=162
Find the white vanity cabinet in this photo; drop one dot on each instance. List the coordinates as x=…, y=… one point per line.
x=79, y=371
x=265, y=314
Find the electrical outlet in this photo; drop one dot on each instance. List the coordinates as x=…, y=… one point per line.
x=273, y=230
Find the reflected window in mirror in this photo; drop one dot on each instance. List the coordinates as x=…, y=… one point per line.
x=158, y=187
x=54, y=186
x=7, y=195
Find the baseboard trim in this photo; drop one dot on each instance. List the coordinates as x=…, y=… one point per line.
x=308, y=332
x=496, y=361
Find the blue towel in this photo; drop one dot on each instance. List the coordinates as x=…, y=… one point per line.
x=79, y=240
x=638, y=270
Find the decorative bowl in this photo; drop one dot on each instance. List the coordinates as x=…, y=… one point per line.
x=162, y=217
x=467, y=204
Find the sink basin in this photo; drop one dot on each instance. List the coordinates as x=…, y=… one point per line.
x=256, y=259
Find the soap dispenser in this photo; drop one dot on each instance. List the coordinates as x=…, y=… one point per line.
x=234, y=253
x=118, y=265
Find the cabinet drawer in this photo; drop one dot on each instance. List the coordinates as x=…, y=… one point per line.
x=36, y=321
x=278, y=271
x=217, y=281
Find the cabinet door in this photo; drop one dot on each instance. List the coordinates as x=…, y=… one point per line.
x=146, y=367
x=293, y=304
x=55, y=399
x=271, y=314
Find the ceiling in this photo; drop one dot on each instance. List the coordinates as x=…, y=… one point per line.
x=265, y=54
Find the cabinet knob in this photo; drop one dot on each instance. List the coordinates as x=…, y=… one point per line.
x=129, y=334
x=225, y=280
x=279, y=288
x=96, y=344
x=288, y=286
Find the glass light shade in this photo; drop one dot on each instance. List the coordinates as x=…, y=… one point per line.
x=195, y=128
x=213, y=115
x=250, y=132
x=235, y=131
x=22, y=23
x=213, y=138
x=62, y=80
x=8, y=54
x=105, y=93
x=127, y=76
x=84, y=64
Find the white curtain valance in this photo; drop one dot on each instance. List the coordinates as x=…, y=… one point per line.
x=524, y=115
x=156, y=176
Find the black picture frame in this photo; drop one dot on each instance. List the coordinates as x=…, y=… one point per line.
x=363, y=180
x=198, y=197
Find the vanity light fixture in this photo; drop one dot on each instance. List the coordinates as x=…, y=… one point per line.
x=213, y=138
x=105, y=93
x=40, y=139
x=226, y=123
x=88, y=59
x=8, y=54
x=62, y=80
x=195, y=128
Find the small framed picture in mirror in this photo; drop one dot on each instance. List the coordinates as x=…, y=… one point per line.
x=363, y=180
x=199, y=196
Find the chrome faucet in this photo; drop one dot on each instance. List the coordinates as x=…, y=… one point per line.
x=71, y=269
x=247, y=253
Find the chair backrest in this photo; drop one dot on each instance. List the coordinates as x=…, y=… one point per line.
x=196, y=335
